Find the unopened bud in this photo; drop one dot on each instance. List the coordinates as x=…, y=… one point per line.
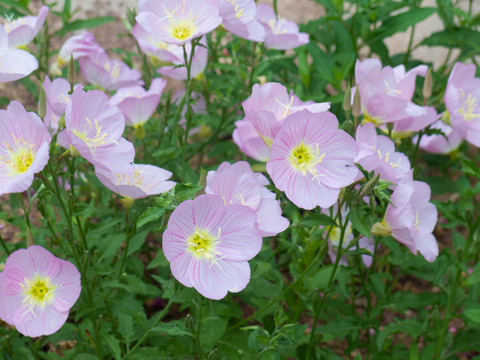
x=71, y=73
x=357, y=105
x=428, y=84
x=370, y=185
x=202, y=182
x=381, y=229
x=347, y=100
x=42, y=103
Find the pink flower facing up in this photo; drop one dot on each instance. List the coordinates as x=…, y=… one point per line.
x=386, y=95
x=94, y=129
x=22, y=30
x=108, y=74
x=136, y=103
x=462, y=100
x=140, y=181
x=266, y=109
x=16, y=63
x=24, y=148
x=238, y=184
x=377, y=153
x=411, y=218
x=178, y=21
x=208, y=245
x=437, y=144
x=311, y=159
x=37, y=291
x=279, y=33
x=239, y=17
x=77, y=46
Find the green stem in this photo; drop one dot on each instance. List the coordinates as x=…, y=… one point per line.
x=124, y=258
x=448, y=310
x=199, y=327
x=155, y=323
x=4, y=245
x=409, y=48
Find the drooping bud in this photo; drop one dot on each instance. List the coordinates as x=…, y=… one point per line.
x=370, y=185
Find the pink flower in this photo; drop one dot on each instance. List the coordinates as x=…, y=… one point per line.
x=270, y=104
x=462, y=100
x=78, y=46
x=311, y=159
x=137, y=104
x=15, y=63
x=437, y=144
x=178, y=21
x=94, y=129
x=108, y=74
x=239, y=17
x=199, y=61
x=238, y=184
x=411, y=218
x=377, y=153
x=37, y=291
x=140, y=181
x=156, y=48
x=386, y=95
x=22, y=30
x=279, y=33
x=249, y=142
x=57, y=95
x=24, y=148
x=209, y=244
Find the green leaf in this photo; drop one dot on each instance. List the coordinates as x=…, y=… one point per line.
x=137, y=241
x=474, y=277
x=472, y=314
x=85, y=24
x=114, y=346
x=125, y=327
x=317, y=220
x=359, y=222
x=186, y=191
x=149, y=215
x=173, y=328
x=455, y=37
x=408, y=326
x=400, y=23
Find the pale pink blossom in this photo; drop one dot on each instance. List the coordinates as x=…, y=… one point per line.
x=208, y=245
x=438, y=144
x=178, y=70
x=377, y=153
x=155, y=48
x=280, y=33
x=270, y=104
x=311, y=160
x=23, y=30
x=411, y=218
x=37, y=291
x=108, y=74
x=386, y=97
x=136, y=103
x=249, y=142
x=16, y=63
x=137, y=182
x=238, y=184
x=239, y=17
x=24, y=148
x=462, y=100
x=57, y=94
x=94, y=129
x=178, y=21
x=78, y=46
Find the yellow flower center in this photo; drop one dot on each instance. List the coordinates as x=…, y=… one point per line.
x=182, y=29
x=38, y=291
x=468, y=108
x=97, y=139
x=368, y=118
x=202, y=244
x=22, y=160
x=20, y=157
x=304, y=159
x=239, y=12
